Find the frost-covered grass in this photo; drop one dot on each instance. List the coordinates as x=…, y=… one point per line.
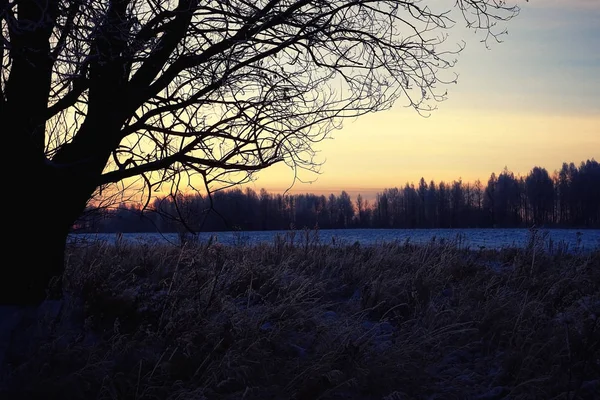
x=205, y=321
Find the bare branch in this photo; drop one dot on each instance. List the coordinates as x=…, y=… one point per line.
x=221, y=89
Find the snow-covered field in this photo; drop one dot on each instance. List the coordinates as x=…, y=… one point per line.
x=584, y=239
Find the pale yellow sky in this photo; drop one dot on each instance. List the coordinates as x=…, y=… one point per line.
x=391, y=148
x=533, y=100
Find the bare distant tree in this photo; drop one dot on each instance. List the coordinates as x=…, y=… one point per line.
x=97, y=92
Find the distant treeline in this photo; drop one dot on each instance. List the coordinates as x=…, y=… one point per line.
x=569, y=197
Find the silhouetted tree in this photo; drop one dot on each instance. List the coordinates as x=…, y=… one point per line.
x=489, y=200
x=422, y=191
x=431, y=206
x=458, y=208
x=507, y=200
x=478, y=193
x=443, y=203
x=96, y=92
x=360, y=209
x=562, y=188
x=345, y=210
x=381, y=214
x=364, y=213
x=575, y=189
x=540, y=192
x=395, y=207
x=585, y=193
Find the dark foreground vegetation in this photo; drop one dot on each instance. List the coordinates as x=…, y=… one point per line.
x=394, y=321
x=569, y=197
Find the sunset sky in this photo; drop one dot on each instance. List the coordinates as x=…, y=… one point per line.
x=533, y=100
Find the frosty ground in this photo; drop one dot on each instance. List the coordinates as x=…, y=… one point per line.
x=314, y=321
x=498, y=238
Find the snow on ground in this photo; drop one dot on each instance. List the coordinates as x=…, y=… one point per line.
x=474, y=239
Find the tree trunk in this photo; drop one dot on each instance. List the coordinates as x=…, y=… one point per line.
x=50, y=195
x=47, y=209
x=41, y=244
